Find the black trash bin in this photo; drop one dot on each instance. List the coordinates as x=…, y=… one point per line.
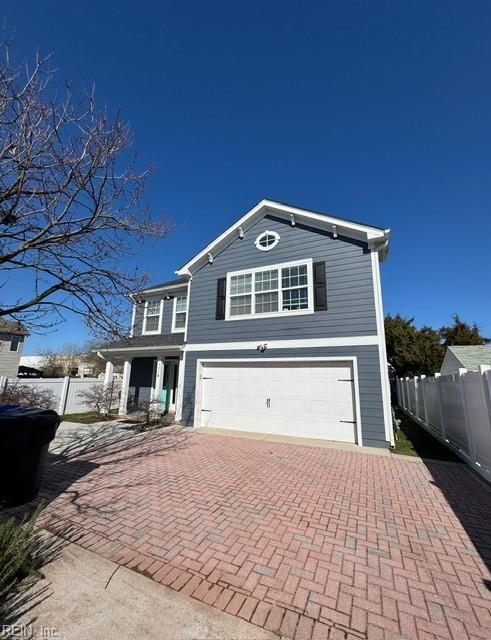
x=25, y=435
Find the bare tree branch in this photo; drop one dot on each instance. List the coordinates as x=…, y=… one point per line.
x=70, y=204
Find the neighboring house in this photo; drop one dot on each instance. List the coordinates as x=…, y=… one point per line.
x=12, y=335
x=465, y=357
x=68, y=364
x=32, y=361
x=275, y=327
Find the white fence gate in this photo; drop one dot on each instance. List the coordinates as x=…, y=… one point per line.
x=67, y=392
x=456, y=409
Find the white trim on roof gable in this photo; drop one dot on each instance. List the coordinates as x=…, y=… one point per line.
x=149, y=292
x=375, y=237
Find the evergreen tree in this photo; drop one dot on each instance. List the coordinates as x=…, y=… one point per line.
x=412, y=351
x=461, y=333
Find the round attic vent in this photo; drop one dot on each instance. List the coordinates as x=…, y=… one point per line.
x=267, y=240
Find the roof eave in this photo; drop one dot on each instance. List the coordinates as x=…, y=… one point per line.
x=376, y=237
x=146, y=292
x=170, y=347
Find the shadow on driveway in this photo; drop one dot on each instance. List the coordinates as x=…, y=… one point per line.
x=470, y=499
x=86, y=474
x=466, y=493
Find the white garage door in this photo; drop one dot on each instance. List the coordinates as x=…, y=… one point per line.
x=309, y=399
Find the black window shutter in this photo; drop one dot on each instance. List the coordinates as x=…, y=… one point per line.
x=221, y=295
x=320, y=289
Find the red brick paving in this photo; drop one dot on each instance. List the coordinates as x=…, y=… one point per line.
x=306, y=542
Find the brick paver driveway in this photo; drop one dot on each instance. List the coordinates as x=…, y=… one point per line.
x=303, y=541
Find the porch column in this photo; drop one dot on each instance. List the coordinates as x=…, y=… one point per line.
x=108, y=374
x=180, y=387
x=123, y=399
x=159, y=381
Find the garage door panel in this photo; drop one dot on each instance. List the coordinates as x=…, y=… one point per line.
x=227, y=392
x=298, y=399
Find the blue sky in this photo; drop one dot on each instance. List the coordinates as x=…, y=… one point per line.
x=379, y=111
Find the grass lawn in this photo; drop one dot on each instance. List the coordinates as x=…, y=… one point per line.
x=88, y=417
x=413, y=440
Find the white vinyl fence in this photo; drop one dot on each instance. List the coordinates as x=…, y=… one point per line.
x=456, y=409
x=67, y=392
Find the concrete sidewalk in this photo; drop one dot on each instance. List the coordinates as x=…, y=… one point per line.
x=85, y=596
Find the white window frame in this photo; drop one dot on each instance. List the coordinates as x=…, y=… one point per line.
x=174, y=328
x=271, y=246
x=157, y=331
x=280, y=312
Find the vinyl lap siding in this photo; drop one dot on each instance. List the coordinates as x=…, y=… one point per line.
x=9, y=360
x=166, y=314
x=450, y=364
x=371, y=405
x=350, y=299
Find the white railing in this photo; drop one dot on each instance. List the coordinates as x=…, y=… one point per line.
x=456, y=409
x=67, y=392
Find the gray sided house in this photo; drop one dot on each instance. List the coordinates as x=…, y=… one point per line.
x=469, y=357
x=275, y=327
x=12, y=335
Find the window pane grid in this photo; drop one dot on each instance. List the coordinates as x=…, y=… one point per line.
x=259, y=292
x=266, y=280
x=267, y=240
x=295, y=299
x=181, y=302
x=267, y=302
x=153, y=308
x=152, y=323
x=241, y=284
x=294, y=276
x=180, y=320
x=152, y=315
x=240, y=305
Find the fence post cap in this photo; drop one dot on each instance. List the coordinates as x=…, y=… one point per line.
x=484, y=367
x=437, y=374
x=422, y=376
x=462, y=371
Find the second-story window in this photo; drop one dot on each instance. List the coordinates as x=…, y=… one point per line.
x=180, y=312
x=153, y=316
x=274, y=290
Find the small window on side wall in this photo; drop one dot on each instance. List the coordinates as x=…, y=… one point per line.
x=180, y=313
x=152, y=316
x=14, y=343
x=267, y=240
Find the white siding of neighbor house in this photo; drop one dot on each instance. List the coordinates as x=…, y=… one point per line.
x=9, y=360
x=450, y=364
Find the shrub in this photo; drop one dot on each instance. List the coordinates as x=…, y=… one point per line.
x=30, y=396
x=23, y=551
x=99, y=398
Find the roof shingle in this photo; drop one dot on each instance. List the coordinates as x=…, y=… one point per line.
x=472, y=356
x=12, y=326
